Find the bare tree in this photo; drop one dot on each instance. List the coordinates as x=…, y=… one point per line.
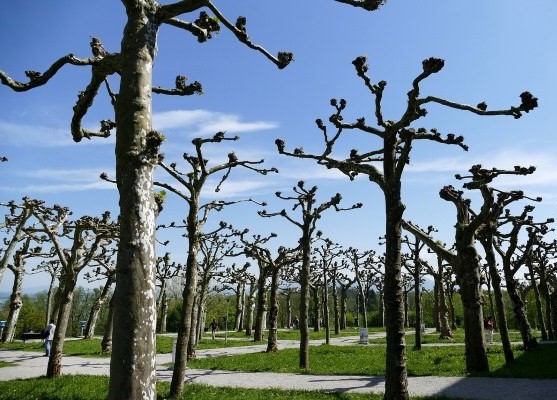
x=14, y=224
x=304, y=200
x=328, y=253
x=393, y=154
x=166, y=270
x=86, y=236
x=18, y=269
x=441, y=313
x=514, y=258
x=415, y=268
x=137, y=146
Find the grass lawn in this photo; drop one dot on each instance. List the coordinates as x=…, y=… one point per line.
x=294, y=334
x=96, y=388
x=92, y=347
x=370, y=360
x=458, y=337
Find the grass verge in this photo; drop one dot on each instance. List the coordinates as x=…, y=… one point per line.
x=370, y=360
x=96, y=388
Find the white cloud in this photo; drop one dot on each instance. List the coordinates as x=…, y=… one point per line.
x=545, y=163
x=203, y=122
x=62, y=187
x=25, y=135
x=58, y=181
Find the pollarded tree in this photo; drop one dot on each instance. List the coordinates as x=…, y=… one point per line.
x=415, y=267
x=86, y=237
x=235, y=278
x=384, y=165
x=24, y=252
x=254, y=249
x=466, y=261
x=305, y=201
x=189, y=187
x=166, y=270
x=14, y=224
x=440, y=315
x=542, y=255
x=53, y=269
x=106, y=271
x=137, y=147
x=514, y=257
x=214, y=248
x=328, y=253
x=360, y=264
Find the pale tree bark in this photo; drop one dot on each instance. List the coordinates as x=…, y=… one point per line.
x=15, y=305
x=18, y=269
x=96, y=308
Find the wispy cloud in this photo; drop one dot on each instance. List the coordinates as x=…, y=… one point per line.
x=60, y=181
x=25, y=135
x=204, y=122
x=545, y=163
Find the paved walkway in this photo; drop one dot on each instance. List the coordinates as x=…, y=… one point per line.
x=32, y=364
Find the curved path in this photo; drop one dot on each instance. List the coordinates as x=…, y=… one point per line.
x=32, y=364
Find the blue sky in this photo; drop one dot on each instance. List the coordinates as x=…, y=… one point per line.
x=493, y=51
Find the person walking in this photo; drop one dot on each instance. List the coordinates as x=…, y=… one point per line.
x=489, y=329
x=48, y=337
x=214, y=327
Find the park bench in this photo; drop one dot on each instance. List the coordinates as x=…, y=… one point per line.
x=31, y=335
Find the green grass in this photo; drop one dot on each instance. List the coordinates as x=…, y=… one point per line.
x=74, y=387
x=294, y=334
x=458, y=337
x=6, y=364
x=370, y=360
x=92, y=347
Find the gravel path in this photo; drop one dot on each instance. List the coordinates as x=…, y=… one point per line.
x=32, y=364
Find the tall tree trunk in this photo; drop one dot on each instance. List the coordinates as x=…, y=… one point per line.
x=326, y=322
x=396, y=377
x=289, y=309
x=528, y=338
x=106, y=343
x=260, y=309
x=54, y=368
x=240, y=306
x=343, y=306
x=251, y=308
x=539, y=309
x=273, y=317
x=132, y=364
x=452, y=313
x=304, y=300
x=96, y=309
x=15, y=306
x=188, y=302
x=471, y=296
x=548, y=306
x=336, y=311
x=192, y=342
x=381, y=308
x=436, y=306
x=316, y=307
x=442, y=315
x=487, y=243
x=164, y=311
x=50, y=299
x=418, y=301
